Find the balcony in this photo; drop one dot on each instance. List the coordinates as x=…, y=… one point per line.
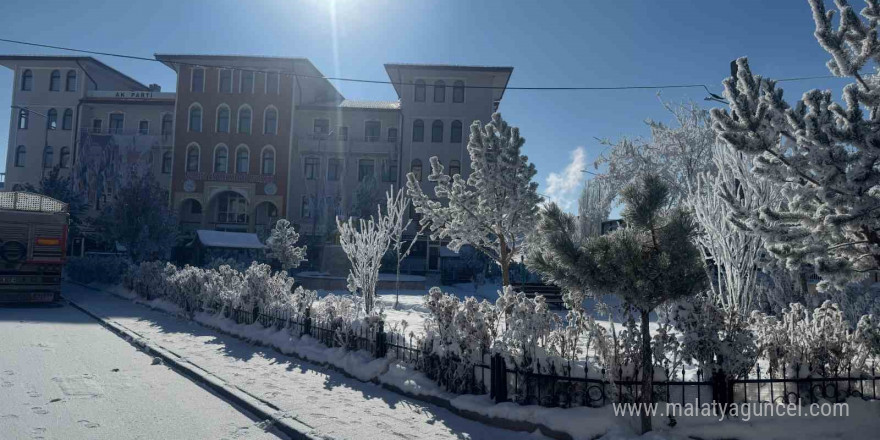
x=345, y=138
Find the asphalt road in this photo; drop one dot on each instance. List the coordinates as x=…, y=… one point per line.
x=64, y=376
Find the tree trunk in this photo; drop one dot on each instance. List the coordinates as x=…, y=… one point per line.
x=397, y=284
x=505, y=276
x=647, y=373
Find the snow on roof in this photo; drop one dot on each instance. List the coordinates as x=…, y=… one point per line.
x=238, y=240
x=381, y=105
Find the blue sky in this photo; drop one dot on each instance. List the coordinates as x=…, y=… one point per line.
x=584, y=43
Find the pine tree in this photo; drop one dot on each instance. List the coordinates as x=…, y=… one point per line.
x=282, y=245
x=495, y=208
x=822, y=154
x=649, y=262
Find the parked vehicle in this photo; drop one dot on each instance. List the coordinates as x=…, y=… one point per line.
x=33, y=236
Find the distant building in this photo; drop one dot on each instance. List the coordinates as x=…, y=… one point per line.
x=609, y=226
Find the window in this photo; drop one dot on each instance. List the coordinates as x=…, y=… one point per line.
x=195, y=207
x=195, y=119
x=306, y=209
x=389, y=170
x=392, y=134
x=67, y=120
x=70, y=84
x=437, y=131
x=372, y=131
x=418, y=131
x=117, y=122
x=310, y=167
x=23, y=119
x=192, y=158
x=454, y=167
x=166, y=162
x=52, y=119
x=439, y=91
x=64, y=158
x=55, y=81
x=244, y=120
x=321, y=126
x=247, y=81
x=198, y=80
x=97, y=125
x=270, y=121
x=366, y=169
x=420, y=90
x=416, y=169
x=458, y=91
x=27, y=80
x=231, y=208
x=242, y=160
x=334, y=167
x=221, y=159
x=455, y=132
x=144, y=127
x=167, y=124
x=20, y=152
x=342, y=133
x=223, y=119
x=268, y=161
x=272, y=83
x=225, y=83
x=48, y=157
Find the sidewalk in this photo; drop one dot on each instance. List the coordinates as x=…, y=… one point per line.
x=332, y=404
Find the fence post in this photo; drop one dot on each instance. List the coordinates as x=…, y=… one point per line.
x=499, y=378
x=722, y=389
x=307, y=322
x=381, y=346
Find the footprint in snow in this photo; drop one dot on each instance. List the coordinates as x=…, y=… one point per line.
x=9, y=372
x=6, y=384
x=8, y=416
x=39, y=410
x=88, y=424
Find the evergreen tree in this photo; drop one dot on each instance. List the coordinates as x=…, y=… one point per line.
x=649, y=262
x=495, y=208
x=282, y=245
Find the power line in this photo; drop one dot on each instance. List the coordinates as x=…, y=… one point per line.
x=713, y=97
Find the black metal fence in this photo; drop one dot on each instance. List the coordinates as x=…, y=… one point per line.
x=554, y=384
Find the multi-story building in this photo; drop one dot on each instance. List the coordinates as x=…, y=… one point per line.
x=245, y=139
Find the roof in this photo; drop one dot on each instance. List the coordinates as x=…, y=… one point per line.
x=378, y=105
x=500, y=75
x=236, y=240
x=75, y=57
x=507, y=69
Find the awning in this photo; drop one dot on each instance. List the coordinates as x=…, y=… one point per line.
x=235, y=240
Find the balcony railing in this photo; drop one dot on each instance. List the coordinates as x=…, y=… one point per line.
x=341, y=138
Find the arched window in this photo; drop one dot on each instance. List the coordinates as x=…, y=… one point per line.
x=167, y=124
x=55, y=81
x=198, y=80
x=268, y=161
x=270, y=121
x=225, y=81
x=20, y=153
x=67, y=120
x=418, y=131
x=420, y=90
x=192, y=158
x=242, y=160
x=416, y=169
x=221, y=159
x=48, y=157
x=458, y=91
x=247, y=81
x=223, y=119
x=64, y=157
x=437, y=131
x=52, y=119
x=27, y=80
x=195, y=118
x=166, y=162
x=244, y=120
x=70, y=84
x=439, y=91
x=455, y=132
x=23, y=119
x=454, y=167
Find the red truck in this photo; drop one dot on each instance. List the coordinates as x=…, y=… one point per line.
x=33, y=236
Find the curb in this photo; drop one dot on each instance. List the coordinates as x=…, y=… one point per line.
x=264, y=410
x=508, y=424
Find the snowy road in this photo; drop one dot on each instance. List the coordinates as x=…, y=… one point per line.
x=64, y=376
x=332, y=404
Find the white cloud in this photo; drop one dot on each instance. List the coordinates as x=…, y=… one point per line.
x=564, y=188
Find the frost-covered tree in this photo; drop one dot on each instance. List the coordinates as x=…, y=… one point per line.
x=594, y=207
x=823, y=154
x=365, y=197
x=61, y=188
x=495, y=208
x=365, y=243
x=649, y=262
x=282, y=245
x=396, y=205
x=677, y=154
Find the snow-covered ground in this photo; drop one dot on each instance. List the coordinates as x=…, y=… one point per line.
x=331, y=403
x=64, y=376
